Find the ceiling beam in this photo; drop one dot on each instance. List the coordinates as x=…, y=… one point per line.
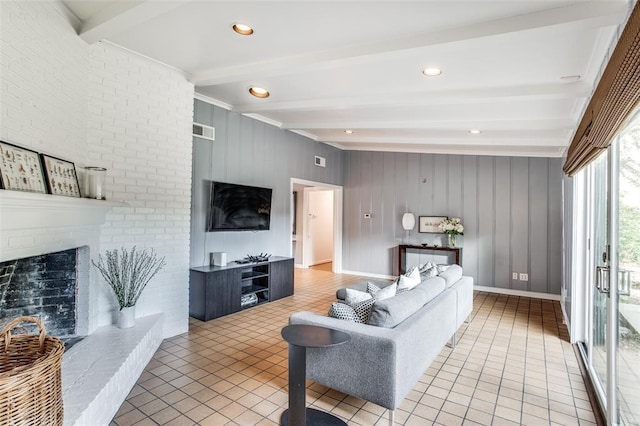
x=592, y=13
x=426, y=124
x=472, y=140
x=505, y=151
x=494, y=94
x=122, y=15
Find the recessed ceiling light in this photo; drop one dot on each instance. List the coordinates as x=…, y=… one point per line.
x=349, y=132
x=475, y=131
x=242, y=29
x=259, y=92
x=431, y=71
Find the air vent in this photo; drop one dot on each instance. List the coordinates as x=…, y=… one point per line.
x=321, y=161
x=204, y=132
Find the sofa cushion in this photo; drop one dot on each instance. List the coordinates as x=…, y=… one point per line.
x=390, y=312
x=452, y=275
x=382, y=293
x=430, y=288
x=362, y=286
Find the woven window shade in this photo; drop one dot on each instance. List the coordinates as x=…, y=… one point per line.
x=615, y=98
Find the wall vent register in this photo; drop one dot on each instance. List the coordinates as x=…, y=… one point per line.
x=203, y=131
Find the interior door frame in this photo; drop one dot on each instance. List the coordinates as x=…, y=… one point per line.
x=337, y=218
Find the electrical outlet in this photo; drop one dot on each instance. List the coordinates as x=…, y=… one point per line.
x=514, y=276
x=524, y=277
x=367, y=215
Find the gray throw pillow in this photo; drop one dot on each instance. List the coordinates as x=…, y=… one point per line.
x=344, y=312
x=357, y=312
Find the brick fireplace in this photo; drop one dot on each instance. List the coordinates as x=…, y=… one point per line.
x=49, y=242
x=44, y=286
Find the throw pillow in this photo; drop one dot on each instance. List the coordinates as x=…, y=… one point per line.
x=442, y=268
x=344, y=312
x=363, y=309
x=409, y=280
x=382, y=293
x=355, y=296
x=427, y=273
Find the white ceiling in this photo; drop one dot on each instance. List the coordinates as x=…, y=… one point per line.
x=336, y=65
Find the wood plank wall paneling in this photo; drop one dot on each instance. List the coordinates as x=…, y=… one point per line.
x=510, y=207
x=249, y=152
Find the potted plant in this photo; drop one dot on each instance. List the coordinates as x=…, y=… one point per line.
x=128, y=273
x=452, y=227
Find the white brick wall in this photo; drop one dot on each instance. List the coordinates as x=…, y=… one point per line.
x=140, y=116
x=100, y=105
x=43, y=80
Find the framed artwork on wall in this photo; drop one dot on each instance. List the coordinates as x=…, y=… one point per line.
x=20, y=169
x=61, y=176
x=429, y=224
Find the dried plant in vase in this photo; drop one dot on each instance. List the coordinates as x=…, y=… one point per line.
x=128, y=273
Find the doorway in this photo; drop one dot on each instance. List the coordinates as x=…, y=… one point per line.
x=316, y=224
x=611, y=343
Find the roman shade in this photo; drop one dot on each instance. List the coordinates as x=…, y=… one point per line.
x=615, y=98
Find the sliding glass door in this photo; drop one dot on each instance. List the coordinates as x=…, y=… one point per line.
x=612, y=344
x=628, y=208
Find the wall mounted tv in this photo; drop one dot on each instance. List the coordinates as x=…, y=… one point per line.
x=238, y=208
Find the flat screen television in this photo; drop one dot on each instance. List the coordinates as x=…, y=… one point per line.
x=238, y=208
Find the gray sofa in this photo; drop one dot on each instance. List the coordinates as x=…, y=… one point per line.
x=382, y=364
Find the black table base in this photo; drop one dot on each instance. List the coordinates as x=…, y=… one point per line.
x=314, y=418
x=301, y=337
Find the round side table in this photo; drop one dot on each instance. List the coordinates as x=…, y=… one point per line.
x=300, y=337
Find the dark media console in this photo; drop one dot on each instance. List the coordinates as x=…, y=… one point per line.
x=215, y=291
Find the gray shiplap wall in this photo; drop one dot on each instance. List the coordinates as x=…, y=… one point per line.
x=249, y=152
x=510, y=207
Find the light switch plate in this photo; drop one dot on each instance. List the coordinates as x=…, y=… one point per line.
x=524, y=277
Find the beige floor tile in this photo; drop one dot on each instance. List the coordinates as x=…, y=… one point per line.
x=512, y=364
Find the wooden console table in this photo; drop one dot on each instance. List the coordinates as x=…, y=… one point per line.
x=402, y=254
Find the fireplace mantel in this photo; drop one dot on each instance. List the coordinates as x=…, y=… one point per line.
x=27, y=210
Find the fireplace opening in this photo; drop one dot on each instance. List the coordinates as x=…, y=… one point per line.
x=43, y=286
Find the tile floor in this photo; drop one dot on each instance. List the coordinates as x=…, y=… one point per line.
x=512, y=365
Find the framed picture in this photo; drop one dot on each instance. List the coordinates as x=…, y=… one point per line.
x=429, y=224
x=61, y=176
x=20, y=169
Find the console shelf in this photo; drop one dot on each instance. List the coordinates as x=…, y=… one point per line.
x=215, y=291
x=251, y=289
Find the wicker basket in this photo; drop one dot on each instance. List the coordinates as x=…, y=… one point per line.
x=30, y=379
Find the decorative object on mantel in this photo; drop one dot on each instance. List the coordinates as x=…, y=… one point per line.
x=452, y=227
x=429, y=224
x=20, y=169
x=30, y=376
x=61, y=176
x=128, y=273
x=94, y=178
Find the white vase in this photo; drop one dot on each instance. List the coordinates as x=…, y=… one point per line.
x=127, y=317
x=452, y=240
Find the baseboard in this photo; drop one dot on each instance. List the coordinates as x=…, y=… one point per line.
x=320, y=262
x=370, y=275
x=512, y=292
x=300, y=265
